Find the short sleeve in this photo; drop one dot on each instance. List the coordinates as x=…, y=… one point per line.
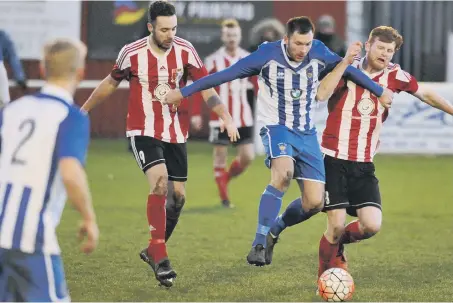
x=404, y=82
x=121, y=69
x=73, y=136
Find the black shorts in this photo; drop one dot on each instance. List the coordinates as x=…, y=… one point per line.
x=218, y=138
x=351, y=185
x=149, y=152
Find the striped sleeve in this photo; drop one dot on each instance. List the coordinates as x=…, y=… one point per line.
x=194, y=65
x=121, y=69
x=403, y=81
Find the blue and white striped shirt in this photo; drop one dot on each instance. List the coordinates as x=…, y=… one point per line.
x=287, y=90
x=36, y=132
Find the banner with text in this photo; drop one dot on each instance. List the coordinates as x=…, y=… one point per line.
x=30, y=24
x=112, y=24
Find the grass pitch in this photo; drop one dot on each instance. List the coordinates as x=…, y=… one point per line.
x=411, y=259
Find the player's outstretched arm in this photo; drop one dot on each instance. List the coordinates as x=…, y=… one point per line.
x=246, y=67
x=330, y=82
x=76, y=184
x=358, y=77
x=430, y=97
x=214, y=103
x=104, y=89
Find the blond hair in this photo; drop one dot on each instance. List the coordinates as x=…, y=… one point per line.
x=230, y=23
x=63, y=57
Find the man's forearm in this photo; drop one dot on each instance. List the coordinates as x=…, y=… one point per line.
x=222, y=112
x=435, y=100
x=358, y=77
x=330, y=82
x=105, y=89
x=76, y=184
x=214, y=103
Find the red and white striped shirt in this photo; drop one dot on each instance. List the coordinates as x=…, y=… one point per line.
x=356, y=116
x=151, y=76
x=232, y=94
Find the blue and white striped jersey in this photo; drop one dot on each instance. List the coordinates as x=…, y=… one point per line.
x=36, y=132
x=287, y=89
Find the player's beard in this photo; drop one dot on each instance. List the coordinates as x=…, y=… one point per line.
x=375, y=64
x=159, y=43
x=292, y=56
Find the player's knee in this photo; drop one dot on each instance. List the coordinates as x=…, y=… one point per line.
x=318, y=205
x=246, y=158
x=180, y=200
x=313, y=202
x=161, y=187
x=371, y=228
x=281, y=177
x=220, y=153
x=285, y=178
x=337, y=231
x=282, y=180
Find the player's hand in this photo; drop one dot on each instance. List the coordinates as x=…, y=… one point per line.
x=353, y=51
x=89, y=229
x=231, y=129
x=197, y=122
x=173, y=97
x=387, y=98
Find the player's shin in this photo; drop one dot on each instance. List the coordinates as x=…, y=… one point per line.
x=174, y=208
x=235, y=169
x=221, y=179
x=327, y=251
x=355, y=233
x=246, y=155
x=156, y=220
x=270, y=204
x=294, y=214
x=368, y=224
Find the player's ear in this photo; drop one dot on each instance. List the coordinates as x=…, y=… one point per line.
x=150, y=27
x=285, y=39
x=367, y=46
x=80, y=73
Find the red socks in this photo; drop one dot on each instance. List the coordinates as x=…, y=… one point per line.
x=156, y=220
x=235, y=169
x=352, y=233
x=327, y=252
x=221, y=178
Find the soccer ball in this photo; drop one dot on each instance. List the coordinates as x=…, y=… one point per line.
x=336, y=285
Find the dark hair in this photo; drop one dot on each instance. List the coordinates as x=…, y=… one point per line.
x=386, y=34
x=160, y=8
x=301, y=25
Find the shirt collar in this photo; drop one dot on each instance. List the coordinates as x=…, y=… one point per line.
x=57, y=91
